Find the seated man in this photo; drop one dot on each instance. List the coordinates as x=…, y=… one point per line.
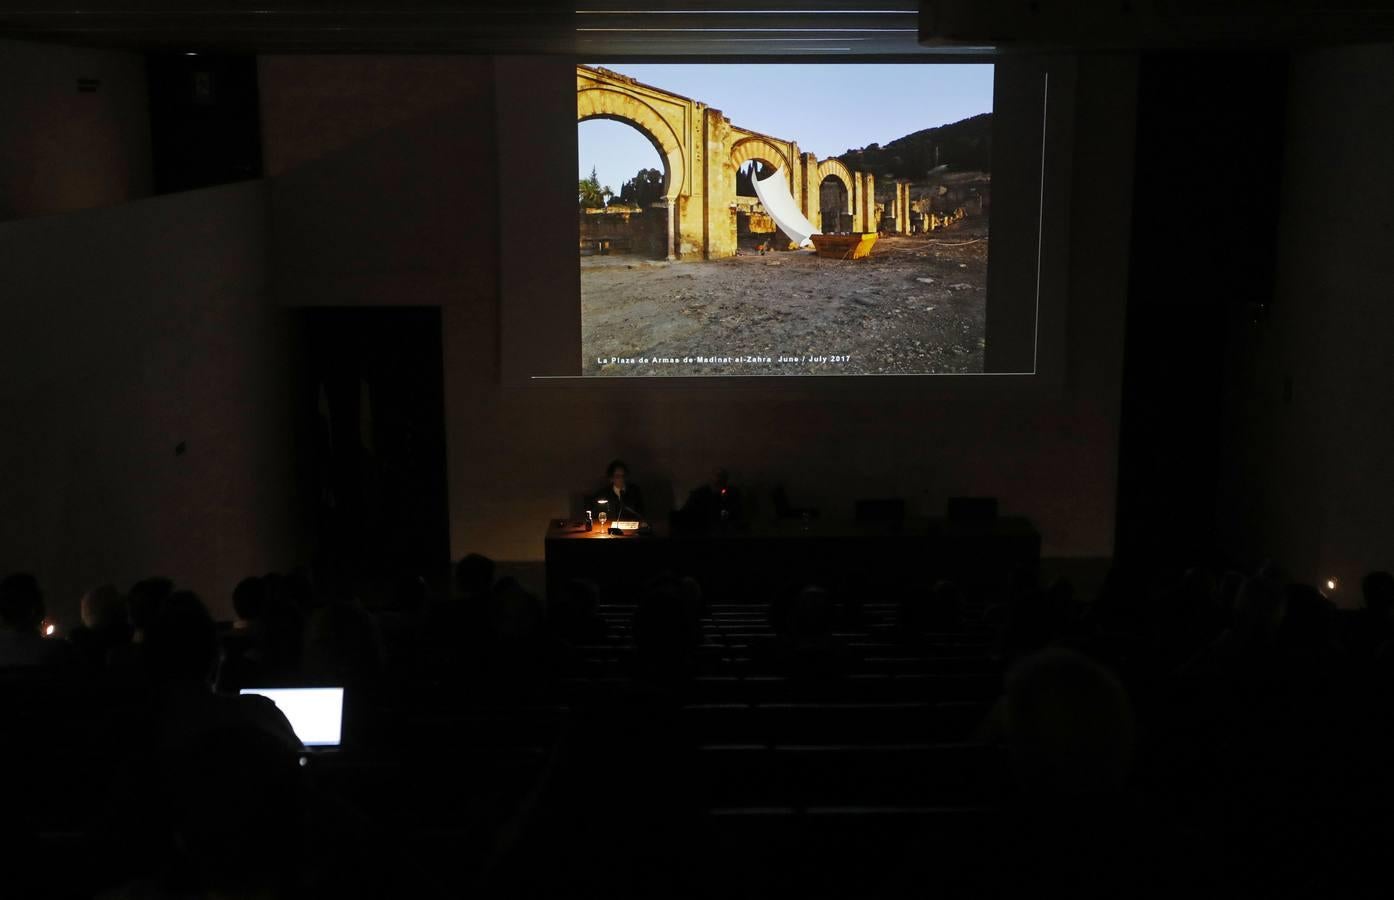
x=715, y=504
x=622, y=499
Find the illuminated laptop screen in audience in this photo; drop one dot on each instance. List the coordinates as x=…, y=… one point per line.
x=316, y=714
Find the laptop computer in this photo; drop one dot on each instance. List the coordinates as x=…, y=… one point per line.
x=316, y=714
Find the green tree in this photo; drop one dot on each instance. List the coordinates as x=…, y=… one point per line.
x=645, y=188
x=589, y=192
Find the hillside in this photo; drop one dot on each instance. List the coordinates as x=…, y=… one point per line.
x=965, y=145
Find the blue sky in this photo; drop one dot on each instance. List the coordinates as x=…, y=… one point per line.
x=826, y=108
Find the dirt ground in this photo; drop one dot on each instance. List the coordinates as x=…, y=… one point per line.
x=916, y=305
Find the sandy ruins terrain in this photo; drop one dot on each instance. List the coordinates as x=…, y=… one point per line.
x=916, y=305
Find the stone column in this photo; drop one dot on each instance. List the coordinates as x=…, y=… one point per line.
x=672, y=231
x=872, y=224
x=858, y=189
x=808, y=176
x=864, y=210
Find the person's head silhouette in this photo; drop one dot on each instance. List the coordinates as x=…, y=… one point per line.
x=249, y=599
x=1378, y=591
x=103, y=609
x=181, y=643
x=21, y=604
x=143, y=602
x=474, y=575
x=617, y=472
x=1069, y=725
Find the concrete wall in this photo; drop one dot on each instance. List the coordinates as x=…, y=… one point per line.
x=1306, y=471
x=351, y=97
x=406, y=212
x=62, y=149
x=128, y=331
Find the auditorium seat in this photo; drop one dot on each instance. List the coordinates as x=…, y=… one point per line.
x=851, y=723
x=931, y=774
x=504, y=727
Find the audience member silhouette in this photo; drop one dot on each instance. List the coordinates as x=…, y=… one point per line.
x=1069, y=734
x=404, y=625
x=21, y=619
x=104, y=630
x=180, y=715
x=276, y=646
x=143, y=604
x=474, y=578
x=1369, y=629
x=1068, y=726
x=225, y=818
x=516, y=649
x=181, y=656
x=1189, y=728
x=714, y=505
x=342, y=643
x=249, y=602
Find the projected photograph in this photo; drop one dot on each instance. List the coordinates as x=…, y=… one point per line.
x=783, y=219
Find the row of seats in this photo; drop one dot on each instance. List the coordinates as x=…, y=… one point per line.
x=818, y=775
x=765, y=658
x=764, y=689
x=880, y=722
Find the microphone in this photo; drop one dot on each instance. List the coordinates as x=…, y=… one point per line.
x=619, y=513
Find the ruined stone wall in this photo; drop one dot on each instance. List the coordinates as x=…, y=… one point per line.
x=638, y=232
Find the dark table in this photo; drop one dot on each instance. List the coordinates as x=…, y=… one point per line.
x=870, y=559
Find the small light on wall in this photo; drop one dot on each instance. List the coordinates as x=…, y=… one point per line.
x=191, y=53
x=49, y=629
x=1331, y=584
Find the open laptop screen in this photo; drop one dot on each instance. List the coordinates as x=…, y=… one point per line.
x=316, y=714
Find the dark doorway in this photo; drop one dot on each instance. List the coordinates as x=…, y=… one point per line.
x=833, y=203
x=205, y=119
x=371, y=409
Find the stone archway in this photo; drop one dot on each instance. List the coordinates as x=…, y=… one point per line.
x=604, y=102
x=834, y=168
x=759, y=150
x=838, y=172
